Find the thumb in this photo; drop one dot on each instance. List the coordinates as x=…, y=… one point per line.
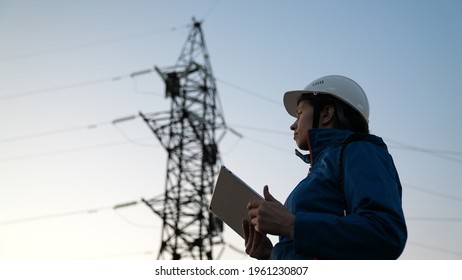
x=267, y=195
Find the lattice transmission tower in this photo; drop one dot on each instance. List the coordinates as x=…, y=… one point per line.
x=190, y=133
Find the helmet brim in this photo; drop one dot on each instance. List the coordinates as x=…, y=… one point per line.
x=291, y=99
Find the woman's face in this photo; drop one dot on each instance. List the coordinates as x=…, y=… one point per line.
x=302, y=124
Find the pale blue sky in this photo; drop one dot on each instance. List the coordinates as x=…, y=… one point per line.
x=65, y=66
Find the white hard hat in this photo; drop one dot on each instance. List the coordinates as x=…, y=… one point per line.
x=337, y=86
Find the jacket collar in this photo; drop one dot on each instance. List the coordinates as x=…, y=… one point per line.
x=319, y=139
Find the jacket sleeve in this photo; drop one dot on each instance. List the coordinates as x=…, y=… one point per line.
x=374, y=225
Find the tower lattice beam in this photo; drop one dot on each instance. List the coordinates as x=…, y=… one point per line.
x=189, y=132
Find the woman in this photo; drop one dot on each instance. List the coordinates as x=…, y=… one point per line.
x=349, y=205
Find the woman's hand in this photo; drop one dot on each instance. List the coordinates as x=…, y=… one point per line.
x=257, y=245
x=269, y=216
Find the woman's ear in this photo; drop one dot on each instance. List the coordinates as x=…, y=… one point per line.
x=327, y=116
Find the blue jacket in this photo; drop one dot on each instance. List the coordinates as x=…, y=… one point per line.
x=349, y=208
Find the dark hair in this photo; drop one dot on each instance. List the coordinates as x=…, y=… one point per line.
x=345, y=117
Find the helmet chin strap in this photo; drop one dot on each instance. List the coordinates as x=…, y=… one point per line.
x=305, y=158
x=316, y=113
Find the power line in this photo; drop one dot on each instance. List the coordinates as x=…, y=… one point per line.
x=434, y=248
x=63, y=87
x=134, y=141
x=435, y=219
x=259, y=129
x=454, y=156
x=441, y=153
x=135, y=224
x=55, y=215
x=72, y=129
x=67, y=130
x=249, y=92
x=137, y=90
x=52, y=132
x=72, y=150
x=83, y=84
x=69, y=213
x=265, y=144
x=401, y=144
x=423, y=150
x=87, y=127
x=434, y=193
x=209, y=11
x=445, y=154
x=90, y=44
x=128, y=139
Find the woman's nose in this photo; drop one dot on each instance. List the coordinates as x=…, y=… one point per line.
x=293, y=126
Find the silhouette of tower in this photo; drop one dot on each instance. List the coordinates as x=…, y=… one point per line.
x=189, y=132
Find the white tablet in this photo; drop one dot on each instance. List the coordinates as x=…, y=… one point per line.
x=230, y=198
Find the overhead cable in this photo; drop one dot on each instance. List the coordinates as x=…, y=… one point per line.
x=434, y=248
x=71, y=150
x=69, y=213
x=90, y=44
x=434, y=193
x=67, y=129
x=249, y=92
x=55, y=215
x=68, y=86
